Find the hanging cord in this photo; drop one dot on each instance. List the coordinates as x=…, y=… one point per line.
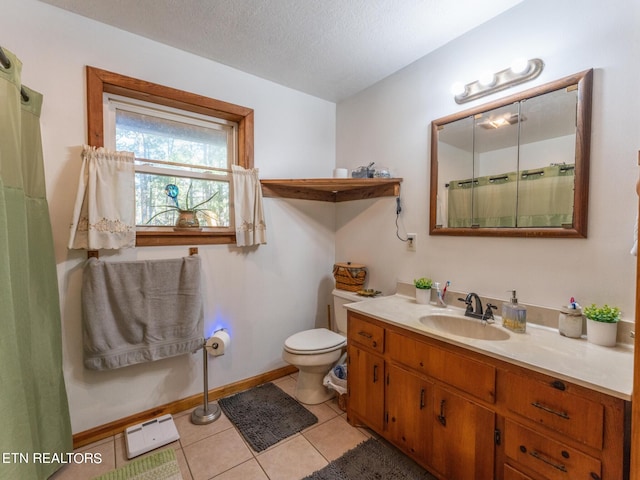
x=398, y=211
x=6, y=64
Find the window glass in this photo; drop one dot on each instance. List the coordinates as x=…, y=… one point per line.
x=183, y=161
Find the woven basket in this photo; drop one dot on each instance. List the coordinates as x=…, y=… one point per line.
x=349, y=276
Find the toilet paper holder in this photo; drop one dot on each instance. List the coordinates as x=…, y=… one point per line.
x=215, y=345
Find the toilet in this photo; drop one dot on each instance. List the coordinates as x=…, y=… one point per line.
x=315, y=351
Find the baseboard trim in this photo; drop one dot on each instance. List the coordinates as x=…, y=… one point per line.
x=118, y=426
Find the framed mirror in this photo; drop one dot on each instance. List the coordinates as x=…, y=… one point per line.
x=515, y=167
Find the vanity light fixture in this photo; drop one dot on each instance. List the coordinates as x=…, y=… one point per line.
x=520, y=71
x=502, y=121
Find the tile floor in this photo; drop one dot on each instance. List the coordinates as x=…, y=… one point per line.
x=218, y=450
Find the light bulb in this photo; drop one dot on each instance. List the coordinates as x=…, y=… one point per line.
x=486, y=79
x=457, y=88
x=519, y=65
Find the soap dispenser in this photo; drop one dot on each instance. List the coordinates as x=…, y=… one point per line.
x=514, y=315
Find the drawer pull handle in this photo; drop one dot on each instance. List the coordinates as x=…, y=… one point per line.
x=550, y=410
x=442, y=418
x=365, y=334
x=421, y=398
x=558, y=385
x=548, y=461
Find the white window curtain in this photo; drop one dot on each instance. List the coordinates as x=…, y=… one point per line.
x=249, y=213
x=104, y=215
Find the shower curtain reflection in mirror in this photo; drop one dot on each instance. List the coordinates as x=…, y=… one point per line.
x=540, y=197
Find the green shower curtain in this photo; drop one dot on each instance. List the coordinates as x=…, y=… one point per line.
x=35, y=427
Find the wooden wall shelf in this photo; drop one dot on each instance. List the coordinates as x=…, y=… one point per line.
x=331, y=189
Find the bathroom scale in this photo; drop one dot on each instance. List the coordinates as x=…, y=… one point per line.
x=147, y=436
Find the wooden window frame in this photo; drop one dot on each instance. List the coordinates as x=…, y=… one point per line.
x=101, y=81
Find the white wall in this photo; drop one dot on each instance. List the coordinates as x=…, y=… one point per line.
x=250, y=292
x=389, y=124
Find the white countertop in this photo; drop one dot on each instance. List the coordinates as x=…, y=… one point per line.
x=605, y=369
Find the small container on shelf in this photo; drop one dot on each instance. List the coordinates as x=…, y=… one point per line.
x=363, y=172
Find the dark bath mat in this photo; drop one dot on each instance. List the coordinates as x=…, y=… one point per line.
x=372, y=460
x=265, y=415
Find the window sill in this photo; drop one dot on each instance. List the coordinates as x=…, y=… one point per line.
x=169, y=237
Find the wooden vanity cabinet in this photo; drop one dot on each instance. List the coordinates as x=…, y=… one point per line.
x=464, y=415
x=434, y=422
x=366, y=367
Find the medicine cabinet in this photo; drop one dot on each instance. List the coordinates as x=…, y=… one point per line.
x=515, y=167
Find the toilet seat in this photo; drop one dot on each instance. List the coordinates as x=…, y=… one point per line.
x=314, y=341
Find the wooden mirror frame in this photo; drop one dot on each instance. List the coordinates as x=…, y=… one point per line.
x=584, y=83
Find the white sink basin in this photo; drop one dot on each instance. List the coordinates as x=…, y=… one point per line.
x=464, y=327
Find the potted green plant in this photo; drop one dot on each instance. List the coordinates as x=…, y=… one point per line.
x=602, y=324
x=188, y=212
x=423, y=289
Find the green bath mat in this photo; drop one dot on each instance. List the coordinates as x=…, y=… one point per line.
x=161, y=465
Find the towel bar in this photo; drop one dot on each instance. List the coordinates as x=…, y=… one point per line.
x=96, y=253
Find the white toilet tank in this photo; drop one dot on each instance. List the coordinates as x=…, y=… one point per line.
x=340, y=298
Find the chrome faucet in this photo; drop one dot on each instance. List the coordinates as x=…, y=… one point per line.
x=477, y=311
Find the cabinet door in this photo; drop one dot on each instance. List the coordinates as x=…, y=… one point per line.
x=463, y=437
x=409, y=410
x=365, y=382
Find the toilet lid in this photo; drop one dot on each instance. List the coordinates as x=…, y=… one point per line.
x=317, y=340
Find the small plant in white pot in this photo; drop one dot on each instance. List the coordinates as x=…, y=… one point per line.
x=602, y=324
x=423, y=290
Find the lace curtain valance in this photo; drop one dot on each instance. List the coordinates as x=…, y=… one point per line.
x=104, y=215
x=249, y=214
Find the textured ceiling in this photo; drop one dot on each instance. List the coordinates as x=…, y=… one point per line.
x=331, y=49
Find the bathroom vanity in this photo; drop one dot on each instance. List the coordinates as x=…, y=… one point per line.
x=482, y=405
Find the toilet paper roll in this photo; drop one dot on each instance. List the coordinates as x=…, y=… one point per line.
x=218, y=343
x=340, y=173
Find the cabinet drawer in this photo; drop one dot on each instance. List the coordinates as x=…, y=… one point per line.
x=473, y=377
x=547, y=457
x=363, y=332
x=511, y=473
x=550, y=404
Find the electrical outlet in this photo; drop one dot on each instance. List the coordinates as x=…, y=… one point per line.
x=412, y=239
